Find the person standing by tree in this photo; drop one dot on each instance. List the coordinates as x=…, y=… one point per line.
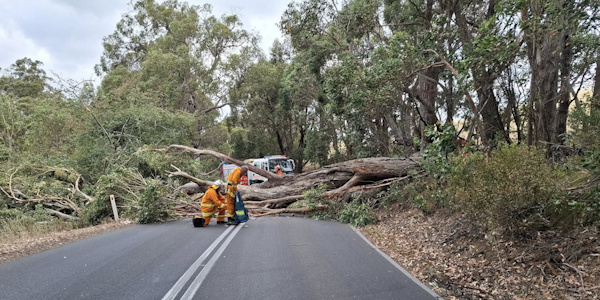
x=233, y=180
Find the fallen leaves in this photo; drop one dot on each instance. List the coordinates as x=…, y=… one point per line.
x=460, y=262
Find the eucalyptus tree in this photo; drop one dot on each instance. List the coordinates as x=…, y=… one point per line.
x=272, y=103
x=559, y=35
x=24, y=78
x=23, y=86
x=335, y=42
x=490, y=45
x=178, y=57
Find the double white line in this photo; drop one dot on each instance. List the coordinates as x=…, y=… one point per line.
x=193, y=288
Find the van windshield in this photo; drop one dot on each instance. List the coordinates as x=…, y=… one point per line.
x=286, y=164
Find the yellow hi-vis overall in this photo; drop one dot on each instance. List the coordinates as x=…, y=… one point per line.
x=212, y=204
x=232, y=182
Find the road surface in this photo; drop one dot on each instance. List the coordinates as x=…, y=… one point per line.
x=267, y=258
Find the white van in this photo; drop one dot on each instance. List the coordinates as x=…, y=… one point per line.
x=268, y=163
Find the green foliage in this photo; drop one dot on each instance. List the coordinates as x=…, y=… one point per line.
x=24, y=78
x=435, y=157
x=154, y=204
x=422, y=192
x=125, y=184
x=20, y=223
x=118, y=137
x=358, y=213
x=510, y=190
x=585, y=123
x=314, y=197
x=178, y=59
x=317, y=147
x=145, y=199
x=582, y=206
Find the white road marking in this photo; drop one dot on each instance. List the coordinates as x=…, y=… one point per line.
x=191, y=291
x=172, y=293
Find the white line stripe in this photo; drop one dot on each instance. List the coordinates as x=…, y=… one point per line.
x=188, y=274
x=191, y=291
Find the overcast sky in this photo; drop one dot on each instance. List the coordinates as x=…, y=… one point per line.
x=66, y=35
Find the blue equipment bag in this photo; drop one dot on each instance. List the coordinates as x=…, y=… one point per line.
x=241, y=213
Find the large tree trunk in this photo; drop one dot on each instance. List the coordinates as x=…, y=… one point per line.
x=564, y=100
x=340, y=179
x=484, y=78
x=488, y=105
x=596, y=95
x=544, y=58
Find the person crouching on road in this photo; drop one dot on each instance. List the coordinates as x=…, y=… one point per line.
x=232, y=182
x=213, y=203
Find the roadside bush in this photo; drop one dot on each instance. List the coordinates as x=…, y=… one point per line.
x=126, y=184
x=511, y=190
x=358, y=213
x=314, y=197
x=155, y=205
x=581, y=207
x=15, y=223
x=424, y=193
x=355, y=213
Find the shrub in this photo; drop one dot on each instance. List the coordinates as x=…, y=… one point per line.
x=314, y=197
x=358, y=213
x=154, y=205
x=510, y=190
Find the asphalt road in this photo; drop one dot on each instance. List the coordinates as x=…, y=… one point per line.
x=268, y=258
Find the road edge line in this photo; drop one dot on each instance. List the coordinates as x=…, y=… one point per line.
x=393, y=262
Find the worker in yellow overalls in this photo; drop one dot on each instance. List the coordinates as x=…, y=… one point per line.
x=232, y=182
x=213, y=204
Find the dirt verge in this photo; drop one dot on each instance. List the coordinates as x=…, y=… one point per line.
x=460, y=262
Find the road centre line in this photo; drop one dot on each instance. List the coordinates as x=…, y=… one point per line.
x=172, y=293
x=193, y=288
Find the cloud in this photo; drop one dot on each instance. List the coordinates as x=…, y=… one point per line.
x=260, y=16
x=66, y=35
x=15, y=46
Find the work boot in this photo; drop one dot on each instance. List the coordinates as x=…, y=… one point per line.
x=221, y=222
x=232, y=221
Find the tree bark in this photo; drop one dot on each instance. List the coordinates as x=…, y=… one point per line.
x=339, y=179
x=564, y=100
x=595, y=105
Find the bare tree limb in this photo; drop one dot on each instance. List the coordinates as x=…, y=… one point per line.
x=290, y=210
x=87, y=197
x=61, y=215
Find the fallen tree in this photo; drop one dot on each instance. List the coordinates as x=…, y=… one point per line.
x=341, y=180
x=62, y=207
